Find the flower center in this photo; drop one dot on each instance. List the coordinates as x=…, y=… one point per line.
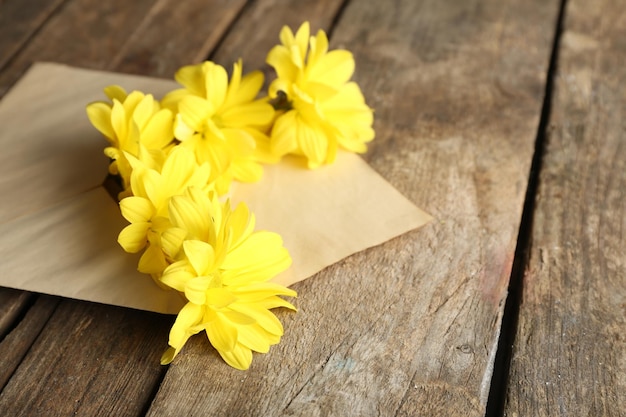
x=281, y=101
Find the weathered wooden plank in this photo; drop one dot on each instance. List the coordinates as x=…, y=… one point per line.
x=19, y=20
x=201, y=26
x=83, y=33
x=14, y=346
x=11, y=307
x=90, y=359
x=410, y=327
x=252, y=36
x=569, y=356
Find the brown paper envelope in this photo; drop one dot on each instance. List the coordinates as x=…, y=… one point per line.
x=70, y=249
x=58, y=226
x=329, y=213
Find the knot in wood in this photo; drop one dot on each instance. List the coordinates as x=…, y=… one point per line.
x=465, y=348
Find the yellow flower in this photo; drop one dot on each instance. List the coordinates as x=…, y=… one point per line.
x=224, y=274
x=324, y=111
x=147, y=208
x=130, y=123
x=221, y=121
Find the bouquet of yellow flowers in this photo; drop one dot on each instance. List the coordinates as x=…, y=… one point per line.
x=176, y=158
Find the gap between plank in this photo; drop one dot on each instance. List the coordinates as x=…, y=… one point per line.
x=337, y=18
x=508, y=328
x=15, y=317
x=28, y=305
x=227, y=32
x=26, y=41
x=155, y=390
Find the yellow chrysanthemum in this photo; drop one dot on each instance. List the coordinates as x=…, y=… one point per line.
x=147, y=208
x=221, y=121
x=224, y=273
x=324, y=111
x=130, y=123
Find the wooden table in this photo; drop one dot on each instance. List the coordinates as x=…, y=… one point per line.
x=504, y=120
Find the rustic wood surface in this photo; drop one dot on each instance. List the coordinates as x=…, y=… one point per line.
x=569, y=356
x=407, y=328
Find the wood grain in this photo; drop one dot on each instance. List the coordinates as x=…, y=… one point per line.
x=200, y=26
x=83, y=33
x=19, y=21
x=257, y=29
x=90, y=359
x=569, y=356
x=12, y=303
x=18, y=341
x=409, y=327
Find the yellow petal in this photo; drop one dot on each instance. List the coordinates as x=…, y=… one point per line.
x=172, y=241
x=170, y=100
x=152, y=261
x=115, y=92
x=99, y=115
x=239, y=358
x=334, y=68
x=178, y=169
x=254, y=337
x=262, y=152
x=118, y=120
x=319, y=47
x=275, y=302
x=186, y=324
x=232, y=91
x=158, y=132
x=195, y=111
x=279, y=58
x=258, y=113
x=219, y=298
x=258, y=258
x=143, y=111
x=237, y=318
x=319, y=92
x=153, y=186
x=286, y=36
x=222, y=335
x=130, y=142
x=182, y=131
x=168, y=356
x=296, y=56
x=201, y=256
x=246, y=170
x=186, y=215
x=192, y=78
x=265, y=318
x=196, y=288
x=241, y=224
x=250, y=86
x=284, y=134
x=260, y=291
x=177, y=275
x=136, y=209
x=133, y=237
x=302, y=38
x=313, y=142
x=131, y=102
x=216, y=83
